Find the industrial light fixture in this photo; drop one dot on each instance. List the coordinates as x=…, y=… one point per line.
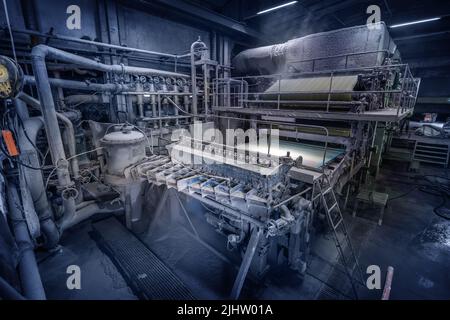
x=414, y=22
x=277, y=7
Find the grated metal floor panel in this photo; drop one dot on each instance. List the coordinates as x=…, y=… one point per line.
x=147, y=275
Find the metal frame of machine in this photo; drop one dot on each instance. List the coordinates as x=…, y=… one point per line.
x=265, y=208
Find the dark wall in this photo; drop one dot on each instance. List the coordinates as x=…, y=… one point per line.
x=103, y=19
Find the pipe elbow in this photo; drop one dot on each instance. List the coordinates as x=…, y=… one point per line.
x=286, y=213
x=51, y=233
x=197, y=44
x=39, y=51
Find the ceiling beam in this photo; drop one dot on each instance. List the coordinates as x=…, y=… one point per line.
x=211, y=17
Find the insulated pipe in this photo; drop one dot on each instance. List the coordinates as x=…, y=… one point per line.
x=68, y=125
x=35, y=182
x=38, y=56
x=54, y=139
x=28, y=269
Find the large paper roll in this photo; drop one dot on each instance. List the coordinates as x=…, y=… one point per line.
x=313, y=89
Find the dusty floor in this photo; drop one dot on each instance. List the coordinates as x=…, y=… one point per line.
x=412, y=239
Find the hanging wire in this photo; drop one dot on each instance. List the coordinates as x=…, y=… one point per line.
x=5, y=7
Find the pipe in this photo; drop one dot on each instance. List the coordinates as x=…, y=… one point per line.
x=21, y=109
x=85, y=212
x=83, y=98
x=286, y=213
x=79, y=85
x=71, y=143
x=35, y=182
x=140, y=100
x=38, y=56
x=153, y=103
x=176, y=99
x=194, y=47
x=78, y=99
x=60, y=92
x=99, y=44
x=70, y=136
x=28, y=269
x=41, y=52
x=54, y=139
x=186, y=97
x=7, y=292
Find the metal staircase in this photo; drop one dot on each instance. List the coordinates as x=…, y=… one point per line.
x=323, y=192
x=436, y=153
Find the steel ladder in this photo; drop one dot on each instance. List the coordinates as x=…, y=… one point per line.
x=323, y=190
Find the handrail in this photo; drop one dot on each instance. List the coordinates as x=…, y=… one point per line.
x=401, y=99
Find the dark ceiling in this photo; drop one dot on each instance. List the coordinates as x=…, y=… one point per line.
x=426, y=47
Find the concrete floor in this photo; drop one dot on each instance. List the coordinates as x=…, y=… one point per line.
x=412, y=239
x=100, y=279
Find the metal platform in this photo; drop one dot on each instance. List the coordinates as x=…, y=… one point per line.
x=146, y=274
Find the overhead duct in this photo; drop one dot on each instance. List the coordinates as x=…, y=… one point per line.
x=352, y=47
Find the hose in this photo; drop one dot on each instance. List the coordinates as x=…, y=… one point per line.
x=434, y=188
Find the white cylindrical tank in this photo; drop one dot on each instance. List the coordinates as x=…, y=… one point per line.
x=123, y=149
